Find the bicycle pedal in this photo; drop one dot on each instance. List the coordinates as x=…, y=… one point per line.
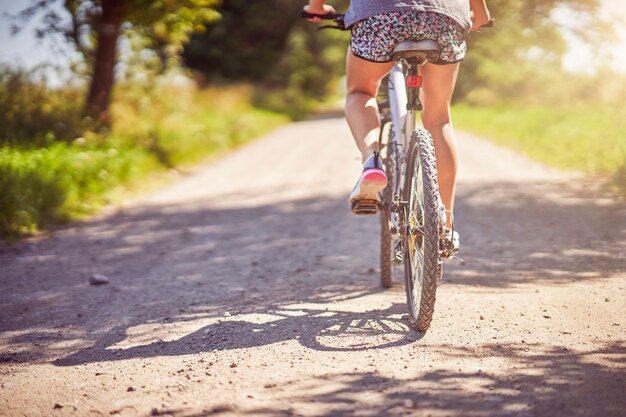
x=446, y=255
x=365, y=207
x=398, y=254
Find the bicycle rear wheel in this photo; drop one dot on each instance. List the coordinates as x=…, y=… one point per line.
x=422, y=263
x=386, y=239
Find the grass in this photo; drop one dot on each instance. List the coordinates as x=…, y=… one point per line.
x=51, y=185
x=68, y=178
x=586, y=138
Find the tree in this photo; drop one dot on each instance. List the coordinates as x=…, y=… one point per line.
x=523, y=53
x=246, y=43
x=95, y=28
x=267, y=43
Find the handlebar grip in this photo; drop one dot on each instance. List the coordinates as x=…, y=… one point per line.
x=328, y=16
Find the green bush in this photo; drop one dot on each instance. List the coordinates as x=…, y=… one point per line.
x=34, y=115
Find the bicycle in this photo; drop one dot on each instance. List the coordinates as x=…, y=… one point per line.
x=412, y=216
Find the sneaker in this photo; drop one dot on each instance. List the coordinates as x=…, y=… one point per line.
x=451, y=243
x=364, y=198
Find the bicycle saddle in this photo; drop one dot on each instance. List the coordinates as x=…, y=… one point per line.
x=424, y=50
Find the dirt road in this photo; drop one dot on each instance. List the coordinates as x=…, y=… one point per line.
x=248, y=289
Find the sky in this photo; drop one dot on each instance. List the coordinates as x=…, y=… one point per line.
x=581, y=55
x=26, y=50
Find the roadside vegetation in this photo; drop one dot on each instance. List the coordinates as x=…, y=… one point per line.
x=513, y=90
x=67, y=151
x=588, y=138
x=53, y=170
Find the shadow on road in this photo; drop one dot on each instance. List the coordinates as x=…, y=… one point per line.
x=550, y=381
x=553, y=232
x=183, y=264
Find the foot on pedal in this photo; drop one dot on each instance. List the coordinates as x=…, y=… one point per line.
x=364, y=198
x=364, y=207
x=450, y=244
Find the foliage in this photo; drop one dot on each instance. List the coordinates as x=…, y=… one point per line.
x=94, y=28
x=246, y=43
x=32, y=114
x=181, y=124
x=292, y=62
x=166, y=25
x=307, y=72
x=163, y=128
x=522, y=53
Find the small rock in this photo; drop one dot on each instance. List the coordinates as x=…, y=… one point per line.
x=547, y=317
x=57, y=406
x=130, y=389
x=606, y=300
x=408, y=403
x=227, y=314
x=482, y=318
x=233, y=365
x=98, y=279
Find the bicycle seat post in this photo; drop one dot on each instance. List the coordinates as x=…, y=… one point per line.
x=413, y=84
x=415, y=54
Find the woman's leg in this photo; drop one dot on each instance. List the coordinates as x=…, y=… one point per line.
x=363, y=79
x=438, y=85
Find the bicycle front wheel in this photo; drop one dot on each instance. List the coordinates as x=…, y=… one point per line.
x=422, y=263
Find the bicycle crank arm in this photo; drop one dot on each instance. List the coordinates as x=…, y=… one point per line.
x=458, y=259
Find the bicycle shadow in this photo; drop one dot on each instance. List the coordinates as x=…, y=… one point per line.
x=315, y=328
x=212, y=265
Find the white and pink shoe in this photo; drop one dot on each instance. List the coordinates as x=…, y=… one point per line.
x=364, y=198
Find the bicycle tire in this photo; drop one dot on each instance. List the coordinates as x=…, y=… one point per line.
x=386, y=240
x=421, y=188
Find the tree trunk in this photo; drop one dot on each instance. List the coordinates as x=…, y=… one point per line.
x=102, y=79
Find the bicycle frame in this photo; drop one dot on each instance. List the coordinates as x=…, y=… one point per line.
x=402, y=117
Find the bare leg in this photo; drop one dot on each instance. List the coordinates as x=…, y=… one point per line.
x=439, y=81
x=363, y=79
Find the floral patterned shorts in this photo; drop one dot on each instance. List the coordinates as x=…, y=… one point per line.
x=375, y=37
